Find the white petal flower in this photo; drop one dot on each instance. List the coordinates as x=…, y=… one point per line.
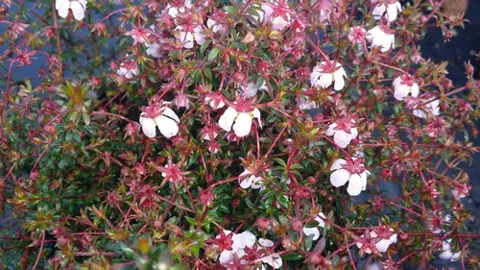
x=174, y=11
x=357, y=181
x=256, y=114
x=429, y=109
x=339, y=177
x=243, y=124
x=382, y=244
x=241, y=121
x=274, y=261
x=198, y=34
x=167, y=123
x=167, y=126
x=378, y=38
x=315, y=232
x=342, y=137
x=337, y=164
x=403, y=89
x=227, y=119
x=148, y=126
x=446, y=252
x=240, y=242
x=392, y=10
x=154, y=50
x=78, y=8
x=325, y=74
x=216, y=27
x=355, y=185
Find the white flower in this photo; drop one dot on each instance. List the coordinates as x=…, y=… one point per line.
x=154, y=50
x=167, y=122
x=378, y=38
x=430, y=108
x=241, y=121
x=240, y=242
x=314, y=232
x=215, y=100
x=188, y=37
x=304, y=104
x=216, y=27
x=343, y=132
x=274, y=261
x=128, y=69
x=391, y=9
x=326, y=73
x=252, y=89
x=351, y=171
x=78, y=8
x=404, y=86
x=382, y=244
x=173, y=11
x=446, y=252
x=279, y=22
x=248, y=179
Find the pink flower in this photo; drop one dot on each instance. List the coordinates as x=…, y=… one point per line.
x=356, y=34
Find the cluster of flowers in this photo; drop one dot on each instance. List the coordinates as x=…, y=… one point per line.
x=240, y=115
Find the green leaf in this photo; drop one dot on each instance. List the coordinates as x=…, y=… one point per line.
x=231, y=9
x=293, y=257
x=213, y=54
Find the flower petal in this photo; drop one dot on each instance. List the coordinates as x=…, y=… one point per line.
x=325, y=80
x=354, y=185
x=226, y=257
x=148, y=126
x=243, y=125
x=331, y=129
x=313, y=232
x=338, y=79
x=168, y=127
x=78, y=10
x=245, y=179
x=378, y=11
x=63, y=10
x=171, y=114
x=256, y=114
x=339, y=177
x=227, y=119
x=341, y=138
x=265, y=242
x=337, y=164
x=392, y=12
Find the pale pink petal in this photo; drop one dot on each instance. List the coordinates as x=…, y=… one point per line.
x=354, y=185
x=242, y=125
x=227, y=119
x=167, y=126
x=339, y=177
x=337, y=164
x=148, y=126
x=78, y=10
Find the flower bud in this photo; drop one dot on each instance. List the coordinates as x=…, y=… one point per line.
x=262, y=224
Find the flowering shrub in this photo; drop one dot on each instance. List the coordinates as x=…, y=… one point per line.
x=281, y=125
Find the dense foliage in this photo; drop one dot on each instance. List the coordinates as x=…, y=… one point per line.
x=237, y=134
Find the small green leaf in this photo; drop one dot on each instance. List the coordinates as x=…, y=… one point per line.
x=213, y=54
x=231, y=9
